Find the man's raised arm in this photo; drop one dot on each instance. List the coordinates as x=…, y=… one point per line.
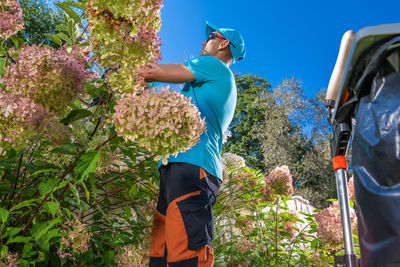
x=167, y=73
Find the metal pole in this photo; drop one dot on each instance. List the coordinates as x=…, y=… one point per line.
x=341, y=183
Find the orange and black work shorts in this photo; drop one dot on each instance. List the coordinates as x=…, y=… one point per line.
x=183, y=222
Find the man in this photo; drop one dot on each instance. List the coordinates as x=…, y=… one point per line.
x=190, y=182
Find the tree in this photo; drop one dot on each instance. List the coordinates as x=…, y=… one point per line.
x=310, y=143
x=317, y=180
x=284, y=127
x=248, y=116
x=39, y=19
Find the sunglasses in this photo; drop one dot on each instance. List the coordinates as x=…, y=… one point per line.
x=214, y=35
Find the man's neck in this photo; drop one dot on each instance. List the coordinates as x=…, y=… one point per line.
x=227, y=61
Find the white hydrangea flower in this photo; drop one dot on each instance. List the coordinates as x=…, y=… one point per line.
x=232, y=162
x=226, y=135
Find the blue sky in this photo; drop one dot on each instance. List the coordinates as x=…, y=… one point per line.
x=283, y=38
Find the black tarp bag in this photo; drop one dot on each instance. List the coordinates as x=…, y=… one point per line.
x=376, y=156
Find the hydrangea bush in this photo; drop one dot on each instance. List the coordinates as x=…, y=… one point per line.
x=255, y=230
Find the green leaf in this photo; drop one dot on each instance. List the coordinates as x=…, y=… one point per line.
x=67, y=149
x=4, y=215
x=7, y=163
x=23, y=204
x=44, y=228
x=15, y=40
x=19, y=239
x=62, y=27
x=52, y=207
x=64, y=37
x=55, y=221
x=2, y=65
x=3, y=250
x=44, y=171
x=86, y=191
x=314, y=243
x=87, y=164
x=129, y=152
x=75, y=115
x=92, y=90
x=75, y=4
x=54, y=38
x=133, y=190
x=70, y=12
x=76, y=194
x=12, y=231
x=47, y=186
x=92, y=181
x=95, y=80
x=52, y=233
x=23, y=263
x=27, y=250
x=109, y=257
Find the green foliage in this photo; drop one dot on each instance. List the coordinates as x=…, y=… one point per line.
x=248, y=116
x=39, y=19
x=254, y=231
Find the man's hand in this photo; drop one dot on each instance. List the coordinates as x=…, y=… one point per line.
x=168, y=73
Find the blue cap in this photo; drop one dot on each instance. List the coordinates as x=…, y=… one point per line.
x=236, y=45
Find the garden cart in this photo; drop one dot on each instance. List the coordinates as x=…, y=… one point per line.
x=363, y=102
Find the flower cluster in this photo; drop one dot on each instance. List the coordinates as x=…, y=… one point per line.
x=350, y=188
x=20, y=118
x=232, y=162
x=164, y=122
x=11, y=20
x=227, y=134
x=76, y=239
x=129, y=256
x=125, y=29
x=278, y=182
x=9, y=260
x=330, y=224
x=51, y=78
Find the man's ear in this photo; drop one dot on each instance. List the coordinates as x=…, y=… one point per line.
x=224, y=44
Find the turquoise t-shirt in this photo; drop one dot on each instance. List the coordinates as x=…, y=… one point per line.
x=214, y=94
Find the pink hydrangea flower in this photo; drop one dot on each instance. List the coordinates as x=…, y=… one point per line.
x=128, y=30
x=11, y=20
x=278, y=182
x=51, y=78
x=129, y=256
x=330, y=224
x=350, y=189
x=163, y=122
x=20, y=118
x=76, y=238
x=10, y=260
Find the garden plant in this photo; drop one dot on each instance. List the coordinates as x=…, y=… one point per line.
x=81, y=134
